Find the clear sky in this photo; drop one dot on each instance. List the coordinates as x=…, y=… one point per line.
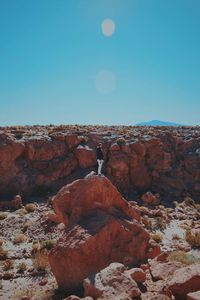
x=58, y=66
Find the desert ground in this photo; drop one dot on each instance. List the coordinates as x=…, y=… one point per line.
x=132, y=233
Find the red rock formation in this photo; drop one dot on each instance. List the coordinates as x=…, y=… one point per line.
x=166, y=160
x=79, y=198
x=101, y=229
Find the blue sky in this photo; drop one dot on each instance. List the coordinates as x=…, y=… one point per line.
x=51, y=52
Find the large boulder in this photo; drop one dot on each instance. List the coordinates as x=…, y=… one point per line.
x=79, y=198
x=113, y=282
x=101, y=228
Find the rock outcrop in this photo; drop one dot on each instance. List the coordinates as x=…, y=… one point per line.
x=39, y=159
x=101, y=228
x=76, y=200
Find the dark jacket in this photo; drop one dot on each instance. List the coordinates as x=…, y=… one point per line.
x=99, y=153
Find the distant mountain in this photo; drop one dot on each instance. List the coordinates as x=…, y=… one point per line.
x=158, y=123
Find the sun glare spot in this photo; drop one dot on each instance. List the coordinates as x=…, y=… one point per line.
x=108, y=27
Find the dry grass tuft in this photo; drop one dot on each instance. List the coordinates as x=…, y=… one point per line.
x=19, y=238
x=183, y=257
x=184, y=226
x=40, y=260
x=157, y=236
x=144, y=210
x=189, y=202
x=22, y=267
x=193, y=238
x=21, y=212
x=3, y=215
x=157, y=224
x=3, y=253
x=8, y=264
x=48, y=244
x=40, y=254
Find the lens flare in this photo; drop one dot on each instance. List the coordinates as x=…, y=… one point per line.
x=108, y=27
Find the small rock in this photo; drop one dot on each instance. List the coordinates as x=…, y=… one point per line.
x=138, y=275
x=194, y=296
x=43, y=282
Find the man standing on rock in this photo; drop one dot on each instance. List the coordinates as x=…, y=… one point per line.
x=100, y=160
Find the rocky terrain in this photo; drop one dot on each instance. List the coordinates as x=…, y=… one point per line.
x=37, y=160
x=132, y=233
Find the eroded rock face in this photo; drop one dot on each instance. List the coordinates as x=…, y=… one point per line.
x=101, y=228
x=78, y=199
x=163, y=160
x=113, y=282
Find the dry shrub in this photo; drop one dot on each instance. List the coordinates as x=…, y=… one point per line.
x=144, y=210
x=3, y=253
x=8, y=264
x=184, y=226
x=157, y=224
x=183, y=257
x=1, y=242
x=193, y=238
x=31, y=207
x=157, y=236
x=40, y=256
x=189, y=202
x=48, y=244
x=40, y=260
x=3, y=215
x=21, y=212
x=22, y=267
x=25, y=227
x=19, y=238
